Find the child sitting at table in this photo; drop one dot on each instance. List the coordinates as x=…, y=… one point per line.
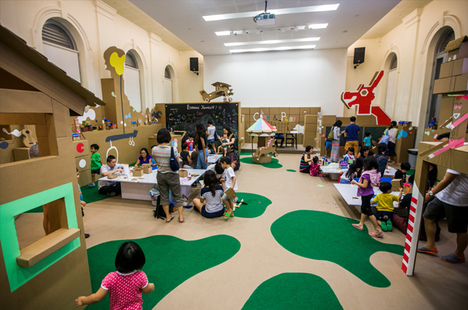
x=315, y=167
x=306, y=159
x=210, y=149
x=369, y=179
x=349, y=175
x=368, y=139
x=349, y=156
x=210, y=203
x=185, y=157
x=401, y=173
x=229, y=182
x=189, y=142
x=225, y=147
x=144, y=158
x=384, y=206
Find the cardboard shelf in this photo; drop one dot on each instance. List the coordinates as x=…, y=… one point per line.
x=37, y=251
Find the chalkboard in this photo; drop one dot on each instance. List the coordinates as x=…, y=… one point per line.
x=375, y=132
x=185, y=116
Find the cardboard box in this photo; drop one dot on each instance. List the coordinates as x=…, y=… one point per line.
x=138, y=171
x=147, y=168
x=461, y=83
x=231, y=193
x=83, y=163
x=315, y=110
x=85, y=177
x=442, y=86
x=310, y=119
x=460, y=66
x=396, y=185
x=80, y=147
x=446, y=109
x=183, y=173
x=457, y=48
x=21, y=153
x=446, y=70
x=328, y=119
x=294, y=110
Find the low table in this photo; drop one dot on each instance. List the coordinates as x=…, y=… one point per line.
x=334, y=171
x=213, y=158
x=138, y=188
x=349, y=194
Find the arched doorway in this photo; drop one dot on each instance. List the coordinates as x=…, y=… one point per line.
x=168, y=79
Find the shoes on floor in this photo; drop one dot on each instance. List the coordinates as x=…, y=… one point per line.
x=389, y=226
x=383, y=225
x=91, y=185
x=425, y=250
x=227, y=215
x=357, y=227
x=452, y=258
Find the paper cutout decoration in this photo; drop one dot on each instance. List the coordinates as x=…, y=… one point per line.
x=90, y=113
x=80, y=147
x=363, y=98
x=128, y=115
x=4, y=145
x=82, y=163
x=402, y=134
x=117, y=62
x=427, y=132
x=174, y=143
x=15, y=132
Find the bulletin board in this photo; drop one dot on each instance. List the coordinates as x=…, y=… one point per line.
x=184, y=117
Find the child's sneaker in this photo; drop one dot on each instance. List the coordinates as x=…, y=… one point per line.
x=91, y=185
x=389, y=226
x=383, y=225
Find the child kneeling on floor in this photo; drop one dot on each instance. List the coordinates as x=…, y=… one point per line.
x=315, y=167
x=385, y=206
x=210, y=203
x=369, y=179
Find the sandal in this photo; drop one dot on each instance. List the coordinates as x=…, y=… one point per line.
x=228, y=215
x=425, y=250
x=375, y=235
x=357, y=227
x=181, y=221
x=170, y=219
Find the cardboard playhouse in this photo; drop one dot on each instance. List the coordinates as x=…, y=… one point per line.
x=266, y=147
x=52, y=271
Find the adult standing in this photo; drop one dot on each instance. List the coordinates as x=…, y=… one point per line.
x=335, y=151
x=231, y=144
x=200, y=142
x=352, y=135
x=451, y=201
x=211, y=134
x=392, y=135
x=167, y=179
x=110, y=188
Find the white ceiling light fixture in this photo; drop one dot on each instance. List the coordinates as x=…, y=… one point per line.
x=306, y=9
x=273, y=41
x=266, y=49
x=318, y=26
x=223, y=33
x=236, y=32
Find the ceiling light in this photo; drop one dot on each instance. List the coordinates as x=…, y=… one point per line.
x=223, y=33
x=307, y=9
x=299, y=28
x=266, y=49
x=236, y=32
x=318, y=26
x=272, y=41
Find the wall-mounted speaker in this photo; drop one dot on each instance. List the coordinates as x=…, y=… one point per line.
x=194, y=64
x=359, y=53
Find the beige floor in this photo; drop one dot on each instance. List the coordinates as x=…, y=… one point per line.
x=436, y=284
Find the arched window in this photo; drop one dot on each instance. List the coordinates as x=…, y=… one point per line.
x=132, y=80
x=60, y=48
x=168, y=84
x=440, y=57
x=392, y=81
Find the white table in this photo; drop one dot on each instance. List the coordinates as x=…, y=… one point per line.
x=334, y=171
x=138, y=188
x=213, y=158
x=349, y=194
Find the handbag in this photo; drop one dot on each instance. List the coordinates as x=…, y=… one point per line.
x=174, y=162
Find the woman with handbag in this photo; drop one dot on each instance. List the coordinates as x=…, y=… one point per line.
x=168, y=176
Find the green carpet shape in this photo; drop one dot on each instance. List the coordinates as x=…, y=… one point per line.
x=91, y=194
x=245, y=153
x=169, y=262
x=293, y=291
x=323, y=236
x=257, y=205
x=291, y=170
x=274, y=163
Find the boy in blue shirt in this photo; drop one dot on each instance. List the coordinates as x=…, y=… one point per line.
x=352, y=134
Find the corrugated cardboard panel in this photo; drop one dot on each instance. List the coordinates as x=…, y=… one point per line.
x=310, y=119
x=274, y=111
x=83, y=163
x=305, y=110
x=285, y=110
x=294, y=110
x=460, y=66
x=442, y=86
x=85, y=177
x=315, y=110
x=446, y=108
x=446, y=70
x=366, y=120
x=328, y=119
x=11, y=101
x=461, y=83
x=80, y=148
x=461, y=52
x=61, y=120
x=266, y=111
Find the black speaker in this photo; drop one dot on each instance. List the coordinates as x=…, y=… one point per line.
x=359, y=53
x=194, y=64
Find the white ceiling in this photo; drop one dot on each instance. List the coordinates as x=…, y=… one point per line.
x=180, y=23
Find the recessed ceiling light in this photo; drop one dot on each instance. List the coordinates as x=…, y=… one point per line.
x=318, y=26
x=306, y=9
x=266, y=49
x=272, y=41
x=223, y=33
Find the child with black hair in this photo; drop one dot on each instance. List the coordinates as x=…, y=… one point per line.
x=349, y=156
x=126, y=284
x=369, y=179
x=385, y=205
x=229, y=181
x=210, y=203
x=315, y=167
x=382, y=158
x=306, y=159
x=189, y=142
x=185, y=157
x=368, y=139
x=401, y=173
x=95, y=163
x=349, y=175
x=217, y=169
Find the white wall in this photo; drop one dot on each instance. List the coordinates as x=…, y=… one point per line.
x=314, y=78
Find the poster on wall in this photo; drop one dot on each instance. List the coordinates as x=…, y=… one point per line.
x=184, y=117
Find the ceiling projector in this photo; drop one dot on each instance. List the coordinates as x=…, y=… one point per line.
x=265, y=19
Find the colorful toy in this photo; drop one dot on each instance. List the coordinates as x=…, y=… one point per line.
x=221, y=89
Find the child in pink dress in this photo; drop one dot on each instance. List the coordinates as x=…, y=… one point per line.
x=124, y=285
x=315, y=167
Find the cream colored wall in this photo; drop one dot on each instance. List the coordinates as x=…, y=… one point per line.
x=96, y=26
x=414, y=42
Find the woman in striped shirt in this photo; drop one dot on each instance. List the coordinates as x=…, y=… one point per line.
x=306, y=160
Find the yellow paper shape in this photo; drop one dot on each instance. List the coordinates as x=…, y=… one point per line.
x=117, y=62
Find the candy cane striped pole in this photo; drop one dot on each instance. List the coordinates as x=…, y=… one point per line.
x=412, y=231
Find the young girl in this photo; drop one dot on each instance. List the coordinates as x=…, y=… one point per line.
x=124, y=285
x=210, y=203
x=349, y=156
x=200, y=141
x=370, y=178
x=306, y=159
x=315, y=167
x=392, y=136
x=348, y=175
x=368, y=139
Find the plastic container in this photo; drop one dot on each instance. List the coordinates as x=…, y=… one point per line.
x=412, y=157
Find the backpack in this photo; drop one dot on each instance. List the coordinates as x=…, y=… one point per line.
x=330, y=134
x=385, y=137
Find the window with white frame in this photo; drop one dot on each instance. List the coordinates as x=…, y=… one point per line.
x=132, y=80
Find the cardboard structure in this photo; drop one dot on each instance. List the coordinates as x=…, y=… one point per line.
x=265, y=146
x=221, y=89
x=35, y=92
